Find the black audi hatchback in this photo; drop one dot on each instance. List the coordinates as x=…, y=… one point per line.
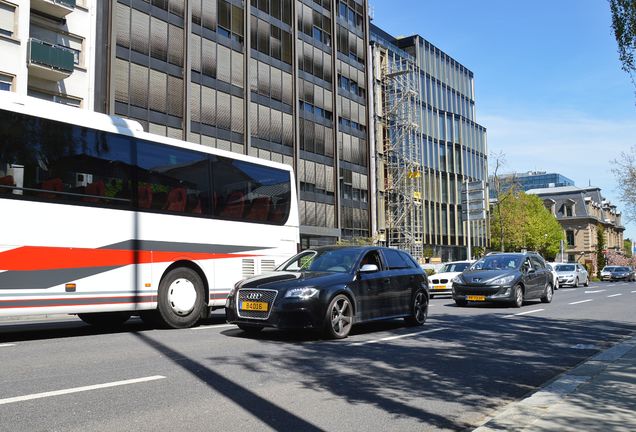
x=504, y=277
x=330, y=289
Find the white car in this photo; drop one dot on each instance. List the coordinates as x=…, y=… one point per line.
x=440, y=283
x=572, y=274
x=555, y=276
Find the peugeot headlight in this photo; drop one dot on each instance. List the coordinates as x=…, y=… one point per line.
x=301, y=293
x=505, y=280
x=457, y=280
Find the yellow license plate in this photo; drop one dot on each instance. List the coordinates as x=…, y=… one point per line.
x=254, y=306
x=439, y=287
x=475, y=298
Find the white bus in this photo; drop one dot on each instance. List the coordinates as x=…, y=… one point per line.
x=103, y=220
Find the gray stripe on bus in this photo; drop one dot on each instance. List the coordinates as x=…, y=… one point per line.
x=78, y=294
x=9, y=304
x=44, y=279
x=160, y=246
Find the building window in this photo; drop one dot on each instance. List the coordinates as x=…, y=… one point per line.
x=569, y=234
x=6, y=82
x=7, y=19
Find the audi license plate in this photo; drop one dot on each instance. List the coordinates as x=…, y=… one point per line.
x=254, y=306
x=475, y=298
x=439, y=287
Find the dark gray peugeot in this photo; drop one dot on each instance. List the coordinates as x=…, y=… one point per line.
x=505, y=277
x=330, y=289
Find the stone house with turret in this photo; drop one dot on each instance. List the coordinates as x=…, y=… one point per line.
x=580, y=211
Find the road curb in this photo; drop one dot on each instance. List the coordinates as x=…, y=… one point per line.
x=519, y=416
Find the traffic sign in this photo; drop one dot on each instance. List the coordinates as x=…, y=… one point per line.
x=473, y=201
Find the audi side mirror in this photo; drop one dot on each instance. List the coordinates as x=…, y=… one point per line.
x=368, y=268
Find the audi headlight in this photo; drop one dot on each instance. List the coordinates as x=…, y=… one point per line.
x=457, y=279
x=505, y=280
x=301, y=293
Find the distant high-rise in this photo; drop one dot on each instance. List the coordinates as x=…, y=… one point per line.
x=531, y=180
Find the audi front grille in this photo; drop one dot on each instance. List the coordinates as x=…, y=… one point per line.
x=252, y=295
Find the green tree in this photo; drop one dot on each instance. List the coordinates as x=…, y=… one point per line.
x=627, y=248
x=600, y=249
x=624, y=26
x=525, y=224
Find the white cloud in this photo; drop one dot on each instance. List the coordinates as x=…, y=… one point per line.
x=573, y=144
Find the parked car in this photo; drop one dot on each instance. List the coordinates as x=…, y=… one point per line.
x=441, y=283
x=555, y=278
x=572, y=274
x=615, y=273
x=504, y=277
x=330, y=289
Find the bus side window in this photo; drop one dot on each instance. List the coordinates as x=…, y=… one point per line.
x=234, y=206
x=259, y=209
x=176, y=201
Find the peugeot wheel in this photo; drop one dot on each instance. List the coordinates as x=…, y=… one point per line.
x=547, y=296
x=518, y=299
x=576, y=282
x=339, y=317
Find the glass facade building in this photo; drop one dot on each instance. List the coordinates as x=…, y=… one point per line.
x=284, y=80
x=449, y=144
x=533, y=180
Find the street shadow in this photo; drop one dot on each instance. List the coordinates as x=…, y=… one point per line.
x=274, y=416
x=477, y=362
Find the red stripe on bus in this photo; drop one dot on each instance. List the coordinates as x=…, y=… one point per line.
x=53, y=258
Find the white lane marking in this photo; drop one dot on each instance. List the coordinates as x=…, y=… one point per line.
x=78, y=389
x=524, y=313
x=213, y=326
x=633, y=292
x=595, y=291
x=582, y=301
x=6, y=345
x=614, y=295
x=397, y=337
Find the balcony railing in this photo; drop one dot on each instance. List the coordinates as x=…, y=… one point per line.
x=48, y=61
x=56, y=8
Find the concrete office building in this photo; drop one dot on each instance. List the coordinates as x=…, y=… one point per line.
x=279, y=79
x=427, y=144
x=48, y=49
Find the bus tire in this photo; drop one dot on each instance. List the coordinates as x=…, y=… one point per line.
x=181, y=298
x=105, y=319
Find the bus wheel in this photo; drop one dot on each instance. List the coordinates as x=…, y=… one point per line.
x=181, y=298
x=105, y=319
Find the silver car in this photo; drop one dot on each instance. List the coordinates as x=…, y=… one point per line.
x=555, y=277
x=572, y=274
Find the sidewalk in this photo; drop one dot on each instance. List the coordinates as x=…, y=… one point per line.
x=598, y=395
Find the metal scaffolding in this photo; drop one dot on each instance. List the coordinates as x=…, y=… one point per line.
x=402, y=153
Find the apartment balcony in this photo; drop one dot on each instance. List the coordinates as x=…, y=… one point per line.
x=48, y=61
x=55, y=8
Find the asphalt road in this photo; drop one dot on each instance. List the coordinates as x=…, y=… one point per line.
x=461, y=367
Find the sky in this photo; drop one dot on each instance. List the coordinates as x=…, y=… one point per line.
x=548, y=83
